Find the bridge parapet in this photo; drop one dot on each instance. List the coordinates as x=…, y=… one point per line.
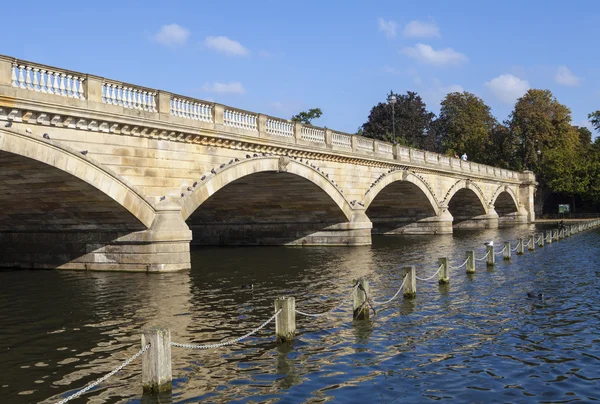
x=97, y=103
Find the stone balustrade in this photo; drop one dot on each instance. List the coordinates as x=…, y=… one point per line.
x=339, y=139
x=363, y=143
x=312, y=134
x=128, y=96
x=279, y=127
x=191, y=109
x=29, y=76
x=36, y=78
x=240, y=119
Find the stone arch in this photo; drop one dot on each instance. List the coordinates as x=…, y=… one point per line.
x=406, y=177
x=470, y=185
x=74, y=174
x=503, y=196
x=238, y=170
x=272, y=201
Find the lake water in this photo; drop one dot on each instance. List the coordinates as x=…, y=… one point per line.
x=478, y=339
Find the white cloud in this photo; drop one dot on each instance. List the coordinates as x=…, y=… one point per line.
x=233, y=87
x=507, y=88
x=225, y=45
x=565, y=77
x=442, y=57
x=421, y=29
x=387, y=27
x=172, y=35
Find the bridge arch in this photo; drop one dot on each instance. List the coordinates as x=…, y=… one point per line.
x=406, y=177
x=267, y=200
x=54, y=187
x=401, y=202
x=462, y=187
x=505, y=201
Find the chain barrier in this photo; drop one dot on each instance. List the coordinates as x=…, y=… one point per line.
x=500, y=252
x=97, y=382
x=230, y=342
x=431, y=277
x=461, y=265
x=482, y=258
x=328, y=311
x=395, y=295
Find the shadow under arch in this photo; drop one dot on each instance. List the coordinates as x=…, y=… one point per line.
x=402, y=203
x=272, y=201
x=507, y=207
x=468, y=207
x=59, y=206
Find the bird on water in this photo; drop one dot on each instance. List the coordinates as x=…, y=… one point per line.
x=532, y=295
x=248, y=286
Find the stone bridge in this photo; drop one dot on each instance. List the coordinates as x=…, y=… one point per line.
x=103, y=175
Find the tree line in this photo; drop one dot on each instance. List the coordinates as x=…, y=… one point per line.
x=538, y=135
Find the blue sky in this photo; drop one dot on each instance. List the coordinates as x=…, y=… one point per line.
x=279, y=57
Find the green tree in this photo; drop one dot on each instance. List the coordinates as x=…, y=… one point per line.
x=503, y=148
x=549, y=145
x=585, y=135
x=306, y=117
x=594, y=118
x=411, y=118
x=465, y=125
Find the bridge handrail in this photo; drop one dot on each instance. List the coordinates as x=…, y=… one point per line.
x=35, y=77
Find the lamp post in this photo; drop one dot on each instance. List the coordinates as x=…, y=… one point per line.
x=392, y=100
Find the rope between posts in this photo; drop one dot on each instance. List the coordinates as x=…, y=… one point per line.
x=97, y=382
x=395, y=295
x=328, y=311
x=461, y=265
x=482, y=258
x=230, y=342
x=500, y=252
x=517, y=247
x=431, y=277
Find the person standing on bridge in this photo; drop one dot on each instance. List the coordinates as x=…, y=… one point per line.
x=464, y=157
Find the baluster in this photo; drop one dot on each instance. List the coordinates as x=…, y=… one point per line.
x=69, y=92
x=43, y=81
x=197, y=111
x=134, y=101
x=193, y=111
x=186, y=109
x=75, y=87
x=55, y=84
x=153, y=97
x=13, y=75
x=176, y=106
x=181, y=111
x=63, y=90
x=107, y=93
x=35, y=79
x=28, y=78
x=122, y=96
x=21, y=77
x=81, y=91
x=114, y=90
x=138, y=99
x=145, y=101
x=129, y=96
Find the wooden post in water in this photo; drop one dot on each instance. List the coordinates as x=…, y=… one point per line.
x=521, y=246
x=491, y=257
x=507, y=250
x=567, y=231
x=156, y=360
x=549, y=236
x=470, y=262
x=443, y=275
x=561, y=234
x=285, y=322
x=555, y=234
x=410, y=285
x=361, y=306
x=541, y=240
x=531, y=245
